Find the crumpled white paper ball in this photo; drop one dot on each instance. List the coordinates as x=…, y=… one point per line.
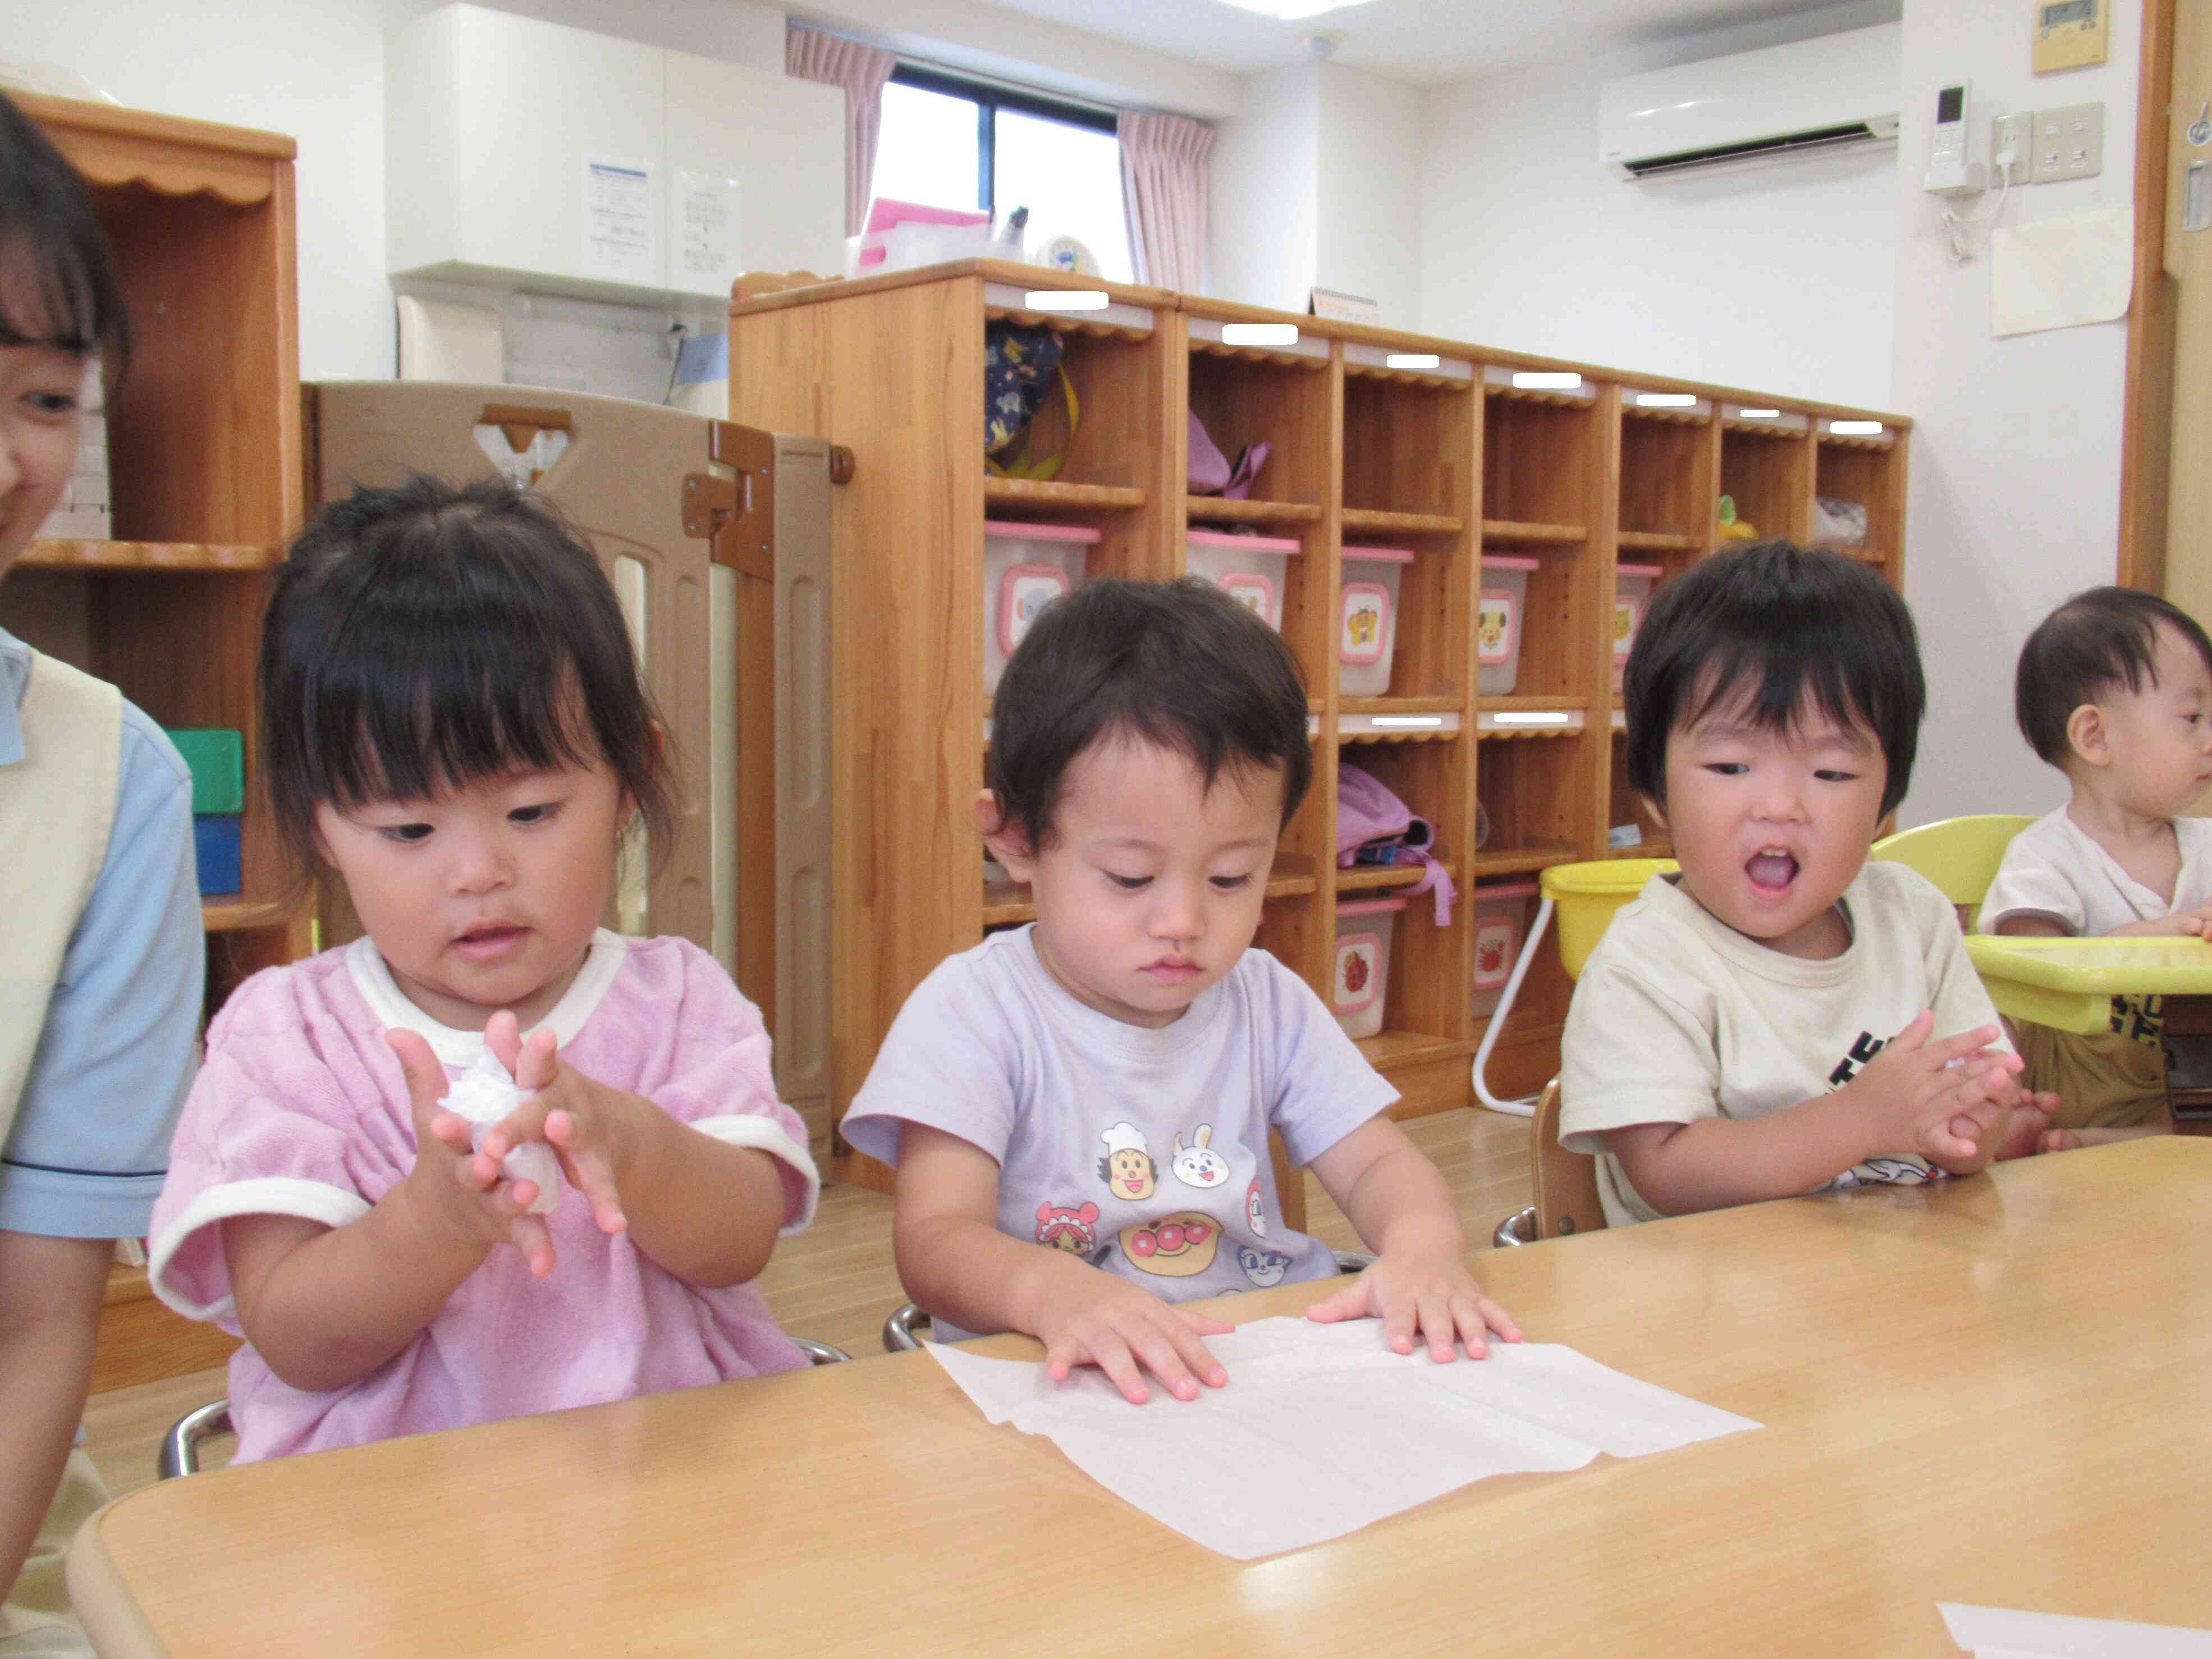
x=484, y=1094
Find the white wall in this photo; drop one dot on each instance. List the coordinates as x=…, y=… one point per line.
x=2014, y=501
x=1777, y=278
x=315, y=69
x=1264, y=186
x=1369, y=229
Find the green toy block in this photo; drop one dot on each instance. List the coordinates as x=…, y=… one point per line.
x=218, y=758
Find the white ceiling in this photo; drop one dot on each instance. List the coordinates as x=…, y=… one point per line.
x=1426, y=42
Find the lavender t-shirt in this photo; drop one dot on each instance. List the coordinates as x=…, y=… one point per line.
x=301, y=1109
x=1142, y=1151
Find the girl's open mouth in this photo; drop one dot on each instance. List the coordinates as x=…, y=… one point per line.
x=1771, y=870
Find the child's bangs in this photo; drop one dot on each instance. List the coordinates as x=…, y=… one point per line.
x=414, y=708
x=1784, y=691
x=50, y=295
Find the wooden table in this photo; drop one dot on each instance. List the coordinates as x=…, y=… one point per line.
x=1997, y=1390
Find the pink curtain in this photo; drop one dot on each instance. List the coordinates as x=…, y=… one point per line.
x=862, y=70
x=1164, y=196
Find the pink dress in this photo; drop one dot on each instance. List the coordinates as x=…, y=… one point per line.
x=301, y=1109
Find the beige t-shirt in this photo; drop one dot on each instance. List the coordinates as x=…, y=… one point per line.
x=1678, y=1017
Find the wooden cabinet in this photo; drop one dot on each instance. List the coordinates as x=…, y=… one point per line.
x=1434, y=448
x=204, y=445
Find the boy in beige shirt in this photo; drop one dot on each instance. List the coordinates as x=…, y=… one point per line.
x=1782, y=1018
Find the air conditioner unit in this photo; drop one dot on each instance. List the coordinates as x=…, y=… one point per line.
x=1839, y=92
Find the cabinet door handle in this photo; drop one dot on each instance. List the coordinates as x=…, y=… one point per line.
x=2197, y=202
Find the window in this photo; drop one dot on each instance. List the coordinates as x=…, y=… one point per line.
x=958, y=143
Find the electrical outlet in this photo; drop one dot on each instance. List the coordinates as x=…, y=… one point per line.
x=2069, y=142
x=2015, y=133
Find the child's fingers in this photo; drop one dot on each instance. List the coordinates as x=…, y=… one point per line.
x=525, y=1122
x=452, y=1129
x=587, y=1169
x=503, y=1036
x=1944, y=1052
x=426, y=1078
x=1202, y=1324
x=1915, y=1035
x=530, y=1236
x=1495, y=1318
x=1350, y=1303
x=1156, y=1347
x=1190, y=1348
x=1438, y=1323
x=539, y=1063
x=1111, y=1355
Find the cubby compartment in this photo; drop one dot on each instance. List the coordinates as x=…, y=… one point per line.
x=1628, y=813
x=1542, y=454
x=1667, y=479
x=1863, y=470
x=1766, y=469
x=1536, y=796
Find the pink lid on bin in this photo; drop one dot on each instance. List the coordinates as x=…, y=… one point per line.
x=1374, y=907
x=1506, y=890
x=1507, y=562
x=1379, y=555
x=1653, y=571
x=1257, y=543
x=1040, y=532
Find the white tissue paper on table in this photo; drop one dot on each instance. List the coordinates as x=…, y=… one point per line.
x=1322, y=1429
x=484, y=1094
x=2005, y=1633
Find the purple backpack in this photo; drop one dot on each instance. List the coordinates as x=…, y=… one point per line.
x=1373, y=826
x=1211, y=474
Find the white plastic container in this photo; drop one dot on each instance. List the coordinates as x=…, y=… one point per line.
x=1360, y=982
x=1501, y=926
x=1025, y=567
x=1499, y=616
x=1367, y=618
x=1631, y=596
x=1250, y=569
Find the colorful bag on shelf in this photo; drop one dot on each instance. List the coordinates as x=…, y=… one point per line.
x=1020, y=366
x=1373, y=826
x=1211, y=473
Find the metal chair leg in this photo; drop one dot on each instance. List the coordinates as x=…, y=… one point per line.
x=820, y=1353
x=180, y=1446
x=900, y=1335
x=1519, y=1228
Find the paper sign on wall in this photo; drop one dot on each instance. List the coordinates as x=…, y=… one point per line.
x=622, y=240
x=2061, y=273
x=705, y=215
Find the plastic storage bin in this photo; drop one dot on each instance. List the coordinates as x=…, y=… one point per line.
x=1250, y=569
x=1501, y=926
x=1367, y=620
x=218, y=849
x=1498, y=623
x=1360, y=980
x=216, y=758
x=1631, y=596
x=1025, y=567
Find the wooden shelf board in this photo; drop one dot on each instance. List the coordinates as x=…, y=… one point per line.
x=1657, y=848
x=1402, y=706
x=1419, y=734
x=1055, y=496
x=1405, y=377
x=1520, y=861
x=1761, y=428
x=1219, y=509
x=1407, y=524
x=1387, y=1050
x=1517, y=394
x=1521, y=1026
x=1516, y=533
x=1258, y=354
x=1367, y=877
x=226, y=913
x=1659, y=541
x=1667, y=416
x=1831, y=441
x=1864, y=555
x=1063, y=322
x=1532, y=701
x=181, y=557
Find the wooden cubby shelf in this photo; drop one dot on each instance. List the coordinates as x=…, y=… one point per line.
x=1833, y=440
x=229, y=913
x=1514, y=510
x=182, y=558
x=1366, y=519
x=1219, y=509
x=1507, y=532
x=1039, y=495
x=1063, y=323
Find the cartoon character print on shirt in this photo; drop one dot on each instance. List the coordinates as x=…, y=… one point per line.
x=1253, y=1212
x=1197, y=1165
x=1127, y=1169
x=1265, y=1268
x=1175, y=1246
x=1068, y=1227
x=1885, y=1172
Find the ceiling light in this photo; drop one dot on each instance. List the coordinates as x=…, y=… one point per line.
x=1290, y=11
x=1546, y=379
x=1073, y=298
x=1259, y=334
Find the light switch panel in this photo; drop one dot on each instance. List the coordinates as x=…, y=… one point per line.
x=2070, y=144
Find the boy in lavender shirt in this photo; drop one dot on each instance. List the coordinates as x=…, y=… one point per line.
x=1079, y=1110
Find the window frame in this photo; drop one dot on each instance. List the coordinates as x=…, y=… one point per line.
x=989, y=98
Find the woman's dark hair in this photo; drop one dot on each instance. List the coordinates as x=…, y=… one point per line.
x=1180, y=665
x=426, y=635
x=2097, y=641
x=52, y=244
x=1783, y=628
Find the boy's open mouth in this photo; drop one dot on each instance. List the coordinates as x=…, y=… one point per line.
x=1772, y=869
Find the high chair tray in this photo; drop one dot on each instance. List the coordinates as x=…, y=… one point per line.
x=2069, y=983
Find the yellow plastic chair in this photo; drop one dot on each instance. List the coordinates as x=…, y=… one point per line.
x=1960, y=856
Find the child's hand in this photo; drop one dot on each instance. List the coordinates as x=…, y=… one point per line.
x=2032, y=1112
x=448, y=1190
x=2186, y=924
x=1092, y=1318
x=583, y=1119
x=1912, y=1090
x=1417, y=1292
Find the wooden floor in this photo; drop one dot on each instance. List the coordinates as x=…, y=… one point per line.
x=835, y=1282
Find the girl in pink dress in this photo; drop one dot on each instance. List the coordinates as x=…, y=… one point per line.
x=454, y=728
